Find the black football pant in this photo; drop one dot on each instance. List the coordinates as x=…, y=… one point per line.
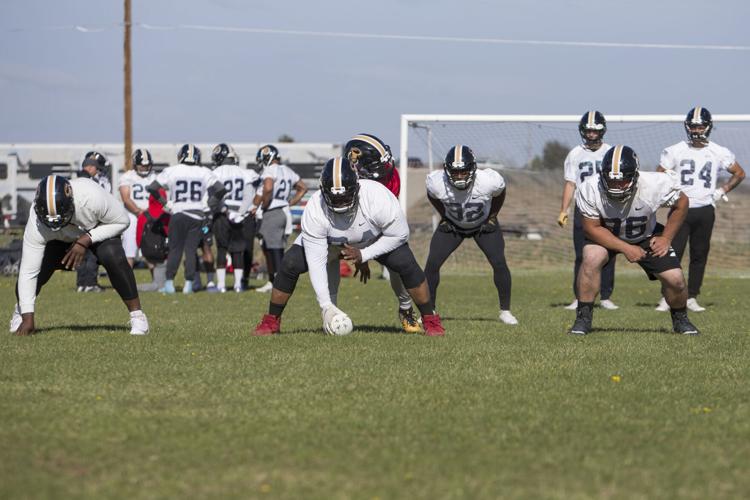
x=492, y=244
x=248, y=228
x=608, y=271
x=697, y=229
x=184, y=237
x=108, y=253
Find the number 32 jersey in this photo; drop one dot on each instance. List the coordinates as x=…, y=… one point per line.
x=467, y=208
x=697, y=168
x=582, y=163
x=634, y=219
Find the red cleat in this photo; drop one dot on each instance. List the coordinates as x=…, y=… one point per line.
x=269, y=325
x=432, y=325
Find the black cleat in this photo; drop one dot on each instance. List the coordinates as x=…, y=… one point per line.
x=682, y=325
x=582, y=325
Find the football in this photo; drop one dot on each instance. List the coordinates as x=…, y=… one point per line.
x=341, y=324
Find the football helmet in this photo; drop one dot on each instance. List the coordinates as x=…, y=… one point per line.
x=460, y=166
x=339, y=185
x=698, y=124
x=224, y=154
x=95, y=159
x=142, y=162
x=53, y=202
x=189, y=154
x=592, y=121
x=266, y=155
x=619, y=175
x=370, y=156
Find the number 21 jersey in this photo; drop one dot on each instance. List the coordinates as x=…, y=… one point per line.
x=467, y=208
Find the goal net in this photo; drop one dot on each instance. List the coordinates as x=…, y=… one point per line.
x=529, y=152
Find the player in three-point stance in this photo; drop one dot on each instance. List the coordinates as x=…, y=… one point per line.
x=619, y=216
x=584, y=161
x=69, y=218
x=698, y=162
x=468, y=201
x=358, y=220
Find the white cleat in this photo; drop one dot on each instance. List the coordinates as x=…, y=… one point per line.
x=16, y=319
x=265, y=288
x=138, y=323
x=608, y=304
x=663, y=306
x=694, y=306
x=572, y=306
x=508, y=318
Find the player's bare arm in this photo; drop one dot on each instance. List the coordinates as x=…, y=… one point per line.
x=738, y=175
x=438, y=205
x=267, y=196
x=300, y=188
x=569, y=188
x=77, y=252
x=600, y=235
x=128, y=202
x=660, y=244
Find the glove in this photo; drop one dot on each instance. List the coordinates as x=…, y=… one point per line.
x=328, y=313
x=720, y=194
x=562, y=219
x=235, y=218
x=446, y=226
x=490, y=226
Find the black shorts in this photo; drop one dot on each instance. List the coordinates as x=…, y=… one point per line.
x=229, y=235
x=651, y=264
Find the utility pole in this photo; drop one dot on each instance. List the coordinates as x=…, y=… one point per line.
x=128, y=92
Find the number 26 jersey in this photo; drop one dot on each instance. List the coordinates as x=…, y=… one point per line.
x=697, y=168
x=470, y=207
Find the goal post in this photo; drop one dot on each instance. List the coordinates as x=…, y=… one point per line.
x=528, y=150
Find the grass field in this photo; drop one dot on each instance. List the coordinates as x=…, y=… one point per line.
x=199, y=408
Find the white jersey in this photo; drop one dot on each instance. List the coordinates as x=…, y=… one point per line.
x=187, y=185
x=634, y=219
x=378, y=227
x=97, y=213
x=467, y=208
x=698, y=169
x=239, y=183
x=582, y=163
x=284, y=179
x=137, y=185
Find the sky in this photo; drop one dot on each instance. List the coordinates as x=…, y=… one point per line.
x=61, y=84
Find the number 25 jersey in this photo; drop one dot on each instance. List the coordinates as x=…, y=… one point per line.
x=582, y=163
x=634, y=219
x=697, y=168
x=470, y=207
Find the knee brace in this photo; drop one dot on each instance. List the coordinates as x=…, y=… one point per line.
x=292, y=265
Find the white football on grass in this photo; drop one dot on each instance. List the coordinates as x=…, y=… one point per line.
x=341, y=324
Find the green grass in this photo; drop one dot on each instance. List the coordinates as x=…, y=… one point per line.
x=199, y=408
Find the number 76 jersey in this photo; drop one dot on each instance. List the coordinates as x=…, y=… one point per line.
x=467, y=208
x=634, y=219
x=697, y=168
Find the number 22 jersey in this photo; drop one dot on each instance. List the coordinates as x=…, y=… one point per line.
x=467, y=208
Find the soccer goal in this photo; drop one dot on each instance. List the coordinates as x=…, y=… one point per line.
x=529, y=151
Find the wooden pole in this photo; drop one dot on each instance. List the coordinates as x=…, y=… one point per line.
x=128, y=91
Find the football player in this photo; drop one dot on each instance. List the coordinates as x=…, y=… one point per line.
x=95, y=167
x=619, y=216
x=186, y=184
x=358, y=220
x=69, y=218
x=585, y=161
x=132, y=186
x=698, y=163
x=230, y=223
x=373, y=160
x=468, y=201
x=277, y=181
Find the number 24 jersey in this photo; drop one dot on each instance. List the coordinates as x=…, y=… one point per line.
x=470, y=207
x=697, y=169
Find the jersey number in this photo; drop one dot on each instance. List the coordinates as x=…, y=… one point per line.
x=686, y=174
x=471, y=212
x=282, y=192
x=635, y=227
x=236, y=193
x=182, y=193
x=138, y=192
x=343, y=240
x=586, y=168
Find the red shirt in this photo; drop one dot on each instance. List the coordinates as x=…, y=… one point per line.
x=155, y=210
x=393, y=182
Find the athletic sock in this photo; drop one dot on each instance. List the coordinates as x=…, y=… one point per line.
x=221, y=276
x=426, y=309
x=276, y=309
x=237, y=278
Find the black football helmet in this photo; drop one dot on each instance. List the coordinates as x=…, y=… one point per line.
x=224, y=154
x=619, y=175
x=266, y=155
x=95, y=159
x=698, y=125
x=53, y=202
x=592, y=121
x=189, y=154
x=370, y=156
x=142, y=162
x=339, y=185
x=460, y=166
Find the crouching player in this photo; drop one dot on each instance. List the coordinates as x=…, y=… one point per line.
x=69, y=218
x=619, y=216
x=361, y=221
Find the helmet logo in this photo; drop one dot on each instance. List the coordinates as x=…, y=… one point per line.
x=354, y=155
x=68, y=189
